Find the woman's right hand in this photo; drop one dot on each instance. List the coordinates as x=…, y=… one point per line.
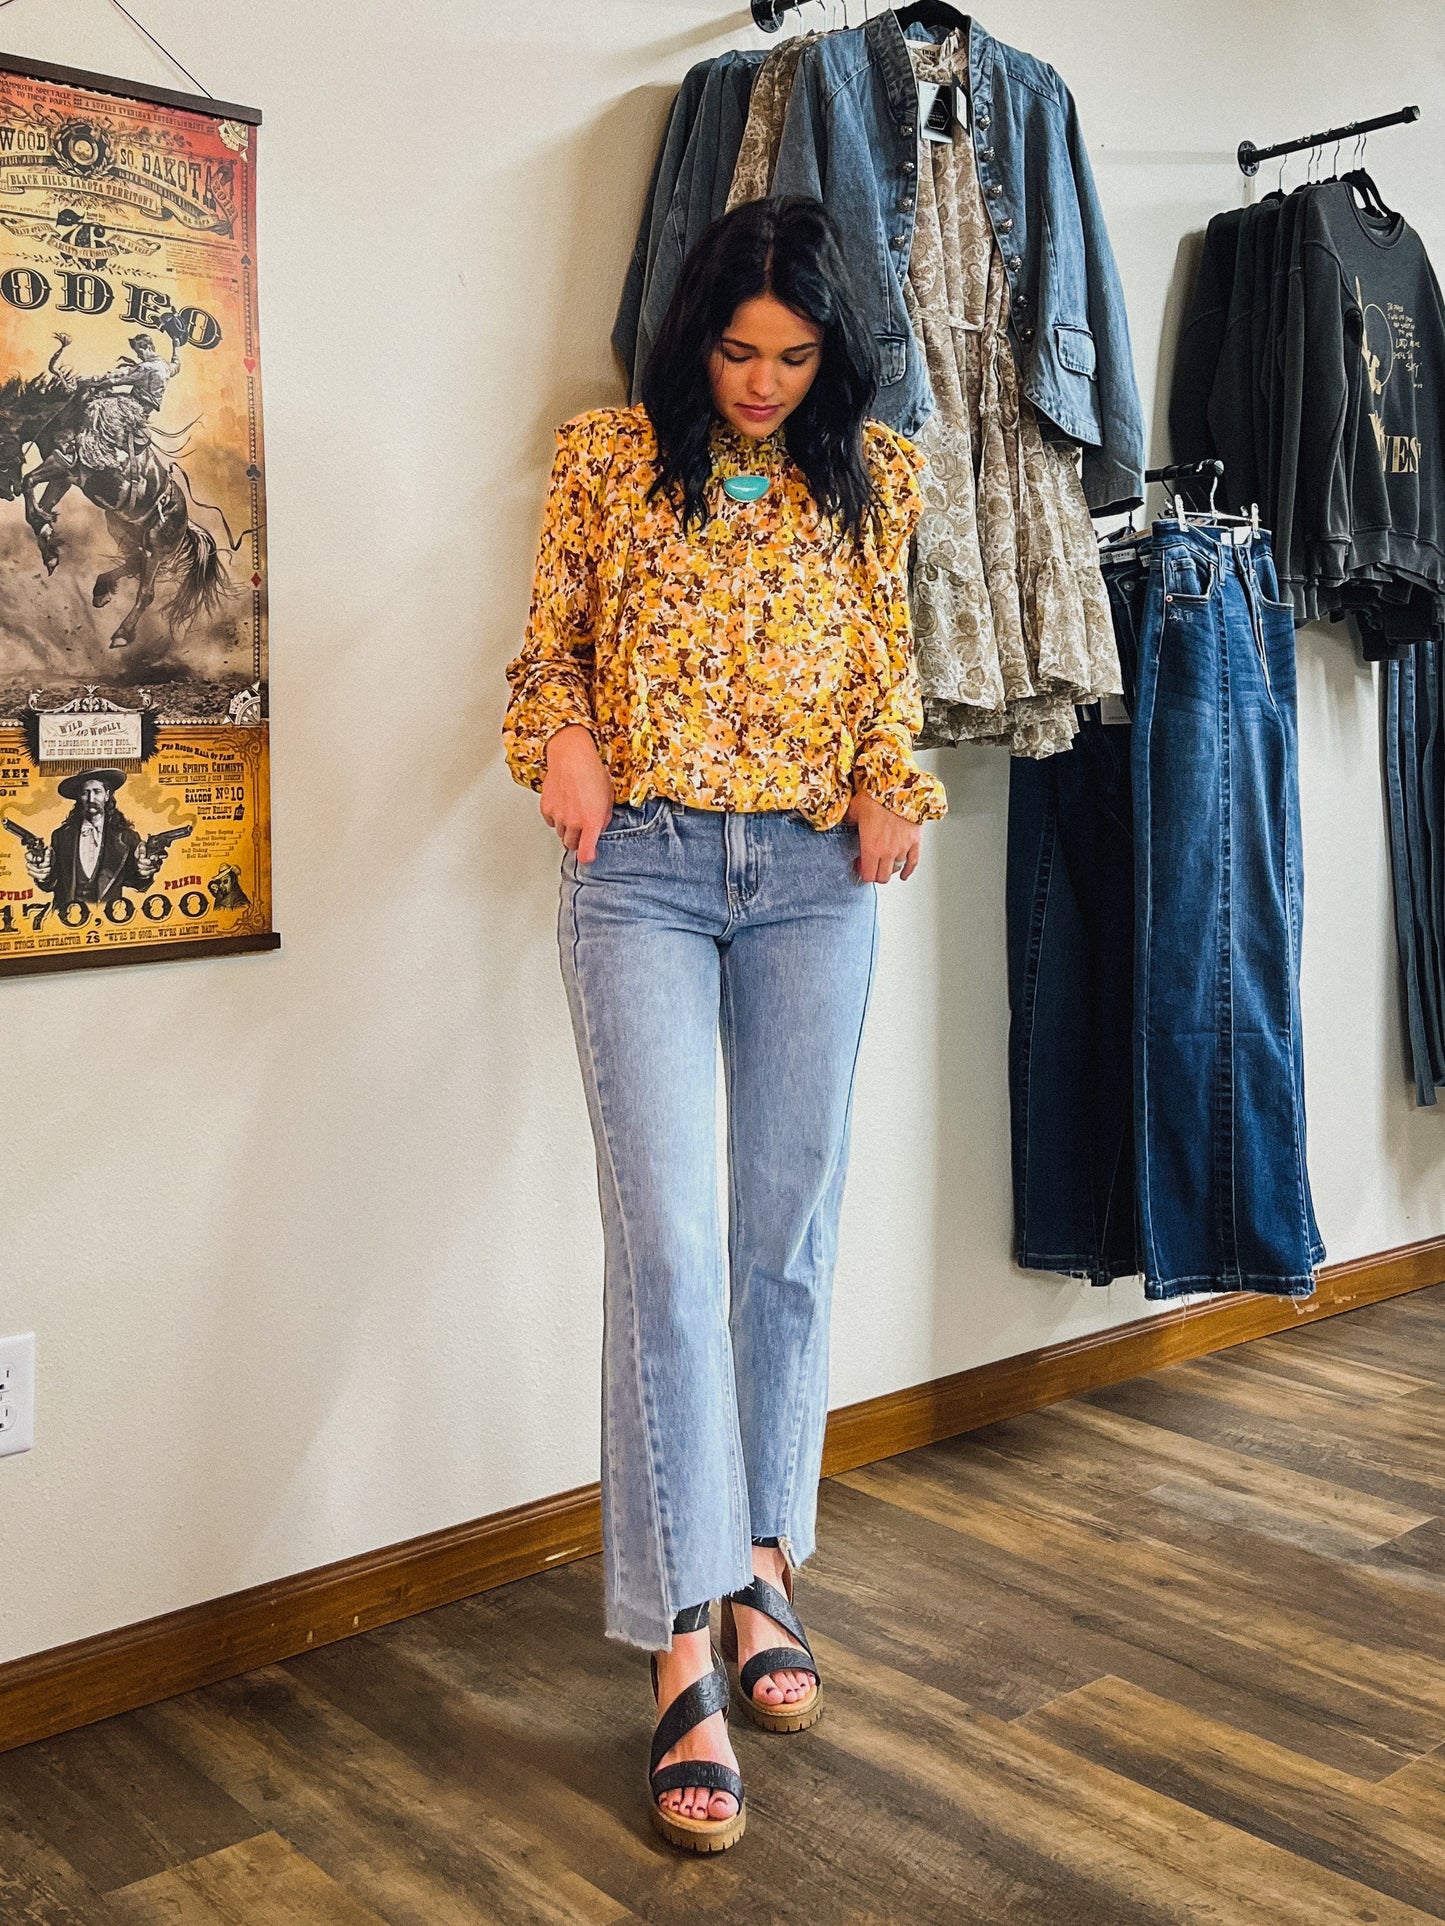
x=576, y=790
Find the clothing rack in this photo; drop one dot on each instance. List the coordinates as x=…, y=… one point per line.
x=1250, y=156
x=1180, y=470
x=1176, y=471
x=768, y=14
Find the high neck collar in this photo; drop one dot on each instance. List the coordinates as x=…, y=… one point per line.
x=740, y=454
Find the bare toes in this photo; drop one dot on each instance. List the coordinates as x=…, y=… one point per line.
x=723, y=1806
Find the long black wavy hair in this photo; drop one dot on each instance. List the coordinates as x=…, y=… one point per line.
x=789, y=249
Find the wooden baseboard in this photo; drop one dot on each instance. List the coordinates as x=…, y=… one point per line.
x=859, y=1434
x=95, y=1678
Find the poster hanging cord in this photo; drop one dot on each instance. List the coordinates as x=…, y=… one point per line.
x=161, y=49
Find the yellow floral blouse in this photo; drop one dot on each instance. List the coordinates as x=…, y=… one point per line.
x=761, y=662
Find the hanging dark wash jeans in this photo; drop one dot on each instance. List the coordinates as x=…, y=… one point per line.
x=1413, y=754
x=1070, y=905
x=1217, y=1063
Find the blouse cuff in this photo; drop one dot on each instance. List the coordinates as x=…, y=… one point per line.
x=531, y=724
x=885, y=768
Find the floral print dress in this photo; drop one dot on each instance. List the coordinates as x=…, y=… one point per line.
x=767, y=111
x=1010, y=611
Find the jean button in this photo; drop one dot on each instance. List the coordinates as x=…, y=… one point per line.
x=994, y=190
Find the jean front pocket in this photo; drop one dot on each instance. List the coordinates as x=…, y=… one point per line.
x=1188, y=577
x=634, y=819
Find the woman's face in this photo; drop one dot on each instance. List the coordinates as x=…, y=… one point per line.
x=765, y=363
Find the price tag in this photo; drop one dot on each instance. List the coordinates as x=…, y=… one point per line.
x=942, y=107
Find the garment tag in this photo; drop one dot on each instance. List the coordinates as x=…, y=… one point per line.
x=937, y=110
x=1114, y=711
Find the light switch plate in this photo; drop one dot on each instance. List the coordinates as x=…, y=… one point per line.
x=17, y=1394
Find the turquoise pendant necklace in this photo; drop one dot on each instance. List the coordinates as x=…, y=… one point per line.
x=745, y=488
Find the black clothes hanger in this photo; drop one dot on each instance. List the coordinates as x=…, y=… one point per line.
x=934, y=15
x=1370, y=194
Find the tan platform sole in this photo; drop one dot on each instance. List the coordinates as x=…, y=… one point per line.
x=785, y=1718
x=769, y=1718
x=700, y=1835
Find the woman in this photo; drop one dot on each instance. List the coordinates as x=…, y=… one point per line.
x=717, y=701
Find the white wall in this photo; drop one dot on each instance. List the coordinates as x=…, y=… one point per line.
x=310, y=1241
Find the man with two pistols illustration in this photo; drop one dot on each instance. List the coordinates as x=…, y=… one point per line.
x=96, y=853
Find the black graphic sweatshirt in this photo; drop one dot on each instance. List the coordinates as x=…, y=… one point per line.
x=1363, y=391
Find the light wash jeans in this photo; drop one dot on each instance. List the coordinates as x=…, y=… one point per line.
x=714, y=1399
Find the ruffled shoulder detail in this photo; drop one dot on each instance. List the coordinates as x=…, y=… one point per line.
x=604, y=450
x=603, y=435
x=895, y=466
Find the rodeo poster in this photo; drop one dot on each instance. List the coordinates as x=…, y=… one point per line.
x=134, y=796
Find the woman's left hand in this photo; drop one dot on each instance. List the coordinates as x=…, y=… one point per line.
x=890, y=845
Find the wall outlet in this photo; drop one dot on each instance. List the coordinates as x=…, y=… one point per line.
x=17, y=1394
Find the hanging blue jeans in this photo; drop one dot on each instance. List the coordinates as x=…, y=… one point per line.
x=694, y=923
x=1414, y=758
x=1155, y=897
x=1224, y=1195
x=1070, y=906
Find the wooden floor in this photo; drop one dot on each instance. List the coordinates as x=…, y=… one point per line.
x=1172, y=1652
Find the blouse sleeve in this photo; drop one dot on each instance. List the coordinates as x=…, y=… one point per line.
x=551, y=679
x=884, y=763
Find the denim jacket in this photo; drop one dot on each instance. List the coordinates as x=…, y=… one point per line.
x=689, y=188
x=851, y=140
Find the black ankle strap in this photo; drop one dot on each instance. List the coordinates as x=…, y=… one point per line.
x=693, y=1618
x=767, y=1599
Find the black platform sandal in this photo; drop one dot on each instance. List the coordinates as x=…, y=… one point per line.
x=693, y=1704
x=768, y=1600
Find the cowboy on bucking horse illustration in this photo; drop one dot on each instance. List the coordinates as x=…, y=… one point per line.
x=116, y=407
x=92, y=432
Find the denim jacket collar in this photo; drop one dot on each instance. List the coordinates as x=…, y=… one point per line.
x=851, y=139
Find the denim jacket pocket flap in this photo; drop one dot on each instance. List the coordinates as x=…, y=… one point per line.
x=1076, y=348
x=892, y=358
